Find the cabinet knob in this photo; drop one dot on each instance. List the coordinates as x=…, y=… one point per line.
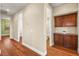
x=64, y=31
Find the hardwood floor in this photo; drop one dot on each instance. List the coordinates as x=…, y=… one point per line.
x=60, y=51
x=10, y=47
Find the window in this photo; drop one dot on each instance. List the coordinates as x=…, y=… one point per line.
x=5, y=27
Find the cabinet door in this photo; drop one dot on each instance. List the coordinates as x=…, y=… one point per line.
x=67, y=41
x=74, y=40
x=58, y=39
x=70, y=20
x=70, y=41
x=58, y=21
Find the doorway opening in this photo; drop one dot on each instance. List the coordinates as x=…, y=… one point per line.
x=5, y=28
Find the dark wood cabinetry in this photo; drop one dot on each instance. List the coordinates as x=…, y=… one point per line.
x=59, y=39
x=74, y=41
x=58, y=21
x=66, y=20
x=70, y=20
x=65, y=40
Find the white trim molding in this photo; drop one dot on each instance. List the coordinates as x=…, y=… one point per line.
x=15, y=39
x=36, y=50
x=78, y=50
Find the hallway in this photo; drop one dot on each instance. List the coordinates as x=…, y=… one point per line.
x=33, y=23
x=13, y=48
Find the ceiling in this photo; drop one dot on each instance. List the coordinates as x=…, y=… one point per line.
x=56, y=4
x=11, y=8
x=8, y=9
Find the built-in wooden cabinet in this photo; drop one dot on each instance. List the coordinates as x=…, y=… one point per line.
x=58, y=39
x=59, y=21
x=66, y=40
x=70, y=20
x=66, y=20
x=74, y=41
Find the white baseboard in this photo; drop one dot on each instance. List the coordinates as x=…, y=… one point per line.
x=78, y=50
x=36, y=50
x=15, y=39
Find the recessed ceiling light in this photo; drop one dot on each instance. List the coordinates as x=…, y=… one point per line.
x=7, y=10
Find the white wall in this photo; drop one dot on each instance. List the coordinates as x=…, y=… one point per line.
x=65, y=9
x=68, y=30
x=33, y=28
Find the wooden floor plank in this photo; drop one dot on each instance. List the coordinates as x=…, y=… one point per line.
x=60, y=51
x=10, y=47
